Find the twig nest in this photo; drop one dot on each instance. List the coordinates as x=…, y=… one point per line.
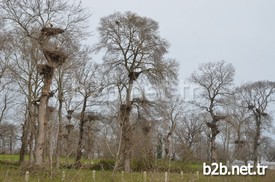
x=55, y=58
x=69, y=127
x=50, y=31
x=44, y=69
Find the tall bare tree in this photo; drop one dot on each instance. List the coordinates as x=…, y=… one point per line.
x=189, y=133
x=239, y=117
x=171, y=111
x=35, y=20
x=257, y=97
x=214, y=79
x=134, y=49
x=90, y=85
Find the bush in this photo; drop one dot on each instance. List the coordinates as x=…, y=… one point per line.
x=141, y=165
x=104, y=164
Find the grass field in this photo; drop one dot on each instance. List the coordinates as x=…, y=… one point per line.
x=11, y=172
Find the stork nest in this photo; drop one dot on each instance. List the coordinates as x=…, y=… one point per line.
x=55, y=57
x=218, y=117
x=69, y=117
x=49, y=31
x=44, y=69
x=211, y=125
x=134, y=75
x=69, y=127
x=124, y=107
x=93, y=117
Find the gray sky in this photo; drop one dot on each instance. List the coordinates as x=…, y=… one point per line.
x=238, y=31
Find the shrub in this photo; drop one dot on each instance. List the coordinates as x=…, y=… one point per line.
x=104, y=164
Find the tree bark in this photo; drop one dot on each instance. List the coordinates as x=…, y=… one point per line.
x=127, y=130
x=81, y=133
x=126, y=140
x=40, y=144
x=24, y=142
x=213, y=149
x=59, y=137
x=256, y=141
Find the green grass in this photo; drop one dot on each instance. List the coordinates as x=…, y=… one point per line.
x=10, y=172
x=10, y=157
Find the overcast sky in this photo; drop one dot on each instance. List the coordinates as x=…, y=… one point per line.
x=238, y=31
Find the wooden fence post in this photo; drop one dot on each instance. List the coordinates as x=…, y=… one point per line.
x=93, y=175
x=27, y=176
x=181, y=174
x=122, y=176
x=144, y=176
x=166, y=177
x=63, y=176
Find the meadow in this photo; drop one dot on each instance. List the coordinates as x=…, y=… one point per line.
x=10, y=171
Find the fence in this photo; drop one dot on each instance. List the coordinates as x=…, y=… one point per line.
x=144, y=175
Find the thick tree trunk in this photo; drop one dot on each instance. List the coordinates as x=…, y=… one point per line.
x=167, y=146
x=213, y=149
x=124, y=156
x=127, y=129
x=256, y=141
x=126, y=140
x=40, y=144
x=213, y=154
x=27, y=124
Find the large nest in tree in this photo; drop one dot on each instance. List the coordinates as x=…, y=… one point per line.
x=49, y=31
x=211, y=125
x=92, y=117
x=134, y=75
x=55, y=57
x=69, y=127
x=124, y=107
x=218, y=117
x=69, y=117
x=44, y=69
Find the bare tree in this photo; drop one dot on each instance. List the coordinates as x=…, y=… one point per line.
x=90, y=85
x=65, y=86
x=134, y=49
x=171, y=113
x=22, y=70
x=189, y=133
x=257, y=97
x=35, y=19
x=214, y=80
x=239, y=117
x=268, y=148
x=8, y=136
x=5, y=53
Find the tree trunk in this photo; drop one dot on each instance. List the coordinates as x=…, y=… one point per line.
x=81, y=133
x=40, y=144
x=125, y=151
x=167, y=146
x=126, y=141
x=59, y=137
x=256, y=141
x=213, y=149
x=24, y=142
x=27, y=124
x=127, y=129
